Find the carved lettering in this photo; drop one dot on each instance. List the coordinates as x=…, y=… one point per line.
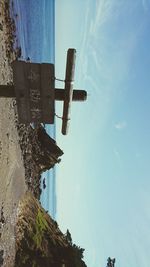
x=35, y=113
x=33, y=76
x=34, y=95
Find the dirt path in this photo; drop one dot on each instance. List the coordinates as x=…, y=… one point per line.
x=12, y=174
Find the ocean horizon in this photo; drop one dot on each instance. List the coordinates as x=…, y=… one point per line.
x=35, y=35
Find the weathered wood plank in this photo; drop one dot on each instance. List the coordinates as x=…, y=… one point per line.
x=20, y=73
x=47, y=92
x=34, y=89
x=34, y=83
x=78, y=95
x=69, y=78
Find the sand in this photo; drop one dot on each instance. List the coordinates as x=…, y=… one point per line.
x=12, y=172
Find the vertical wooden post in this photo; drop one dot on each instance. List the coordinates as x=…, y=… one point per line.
x=70, y=68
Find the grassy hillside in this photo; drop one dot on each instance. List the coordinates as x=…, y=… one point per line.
x=39, y=242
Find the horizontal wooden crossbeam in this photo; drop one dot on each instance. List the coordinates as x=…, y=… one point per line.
x=8, y=91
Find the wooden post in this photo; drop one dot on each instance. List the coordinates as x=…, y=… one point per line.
x=70, y=67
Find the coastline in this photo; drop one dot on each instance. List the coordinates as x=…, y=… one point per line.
x=24, y=152
x=12, y=172
x=28, y=235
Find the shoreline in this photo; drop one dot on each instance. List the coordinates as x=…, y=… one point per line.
x=24, y=152
x=14, y=141
x=26, y=230
x=12, y=172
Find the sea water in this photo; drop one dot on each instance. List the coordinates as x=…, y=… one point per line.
x=35, y=30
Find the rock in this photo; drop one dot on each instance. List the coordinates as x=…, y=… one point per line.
x=1, y=257
x=40, y=153
x=44, y=149
x=1, y=27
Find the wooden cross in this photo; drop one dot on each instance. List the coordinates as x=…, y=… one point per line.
x=35, y=92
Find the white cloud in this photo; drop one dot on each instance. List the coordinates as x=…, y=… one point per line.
x=121, y=125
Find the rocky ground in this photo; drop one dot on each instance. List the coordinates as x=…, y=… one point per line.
x=40, y=153
x=18, y=171
x=37, y=235
x=12, y=173
x=28, y=236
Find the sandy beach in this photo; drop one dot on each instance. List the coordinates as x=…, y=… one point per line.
x=12, y=172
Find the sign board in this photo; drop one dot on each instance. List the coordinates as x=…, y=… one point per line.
x=34, y=89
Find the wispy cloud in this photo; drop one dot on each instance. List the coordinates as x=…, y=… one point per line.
x=121, y=125
x=106, y=54
x=91, y=53
x=145, y=4
x=104, y=11
x=108, y=57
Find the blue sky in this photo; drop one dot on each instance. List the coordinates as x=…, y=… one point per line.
x=103, y=185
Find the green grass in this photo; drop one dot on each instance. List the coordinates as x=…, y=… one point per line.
x=40, y=227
